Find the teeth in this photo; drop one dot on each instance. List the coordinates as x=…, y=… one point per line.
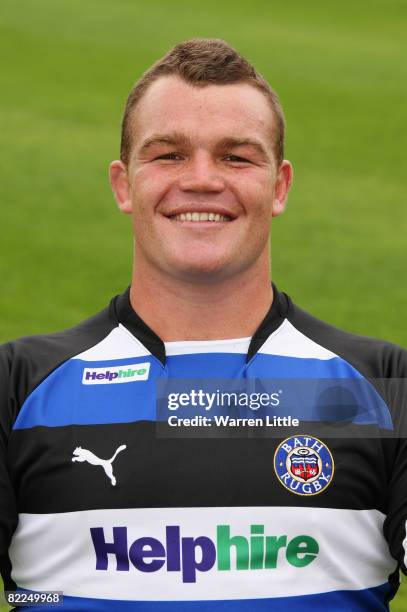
x=201, y=216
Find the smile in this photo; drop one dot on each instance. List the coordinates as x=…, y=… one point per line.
x=201, y=216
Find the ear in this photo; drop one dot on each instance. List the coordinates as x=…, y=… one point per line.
x=283, y=183
x=119, y=180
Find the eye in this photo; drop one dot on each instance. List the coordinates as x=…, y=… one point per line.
x=170, y=156
x=236, y=158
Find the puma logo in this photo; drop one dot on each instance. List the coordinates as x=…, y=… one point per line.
x=81, y=454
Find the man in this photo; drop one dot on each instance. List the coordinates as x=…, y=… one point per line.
x=98, y=502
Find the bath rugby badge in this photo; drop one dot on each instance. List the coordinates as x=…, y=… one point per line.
x=304, y=465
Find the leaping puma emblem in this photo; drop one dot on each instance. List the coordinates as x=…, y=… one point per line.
x=81, y=454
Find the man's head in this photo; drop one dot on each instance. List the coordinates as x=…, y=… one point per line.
x=201, y=170
x=201, y=62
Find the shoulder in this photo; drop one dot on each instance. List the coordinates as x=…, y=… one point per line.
x=27, y=361
x=372, y=357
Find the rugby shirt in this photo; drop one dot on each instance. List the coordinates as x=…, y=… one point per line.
x=101, y=499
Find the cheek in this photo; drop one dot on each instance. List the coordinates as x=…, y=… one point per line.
x=255, y=190
x=146, y=193
x=150, y=187
x=260, y=205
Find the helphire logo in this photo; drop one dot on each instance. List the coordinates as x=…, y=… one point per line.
x=189, y=556
x=116, y=374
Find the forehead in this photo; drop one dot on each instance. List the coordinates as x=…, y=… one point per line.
x=205, y=113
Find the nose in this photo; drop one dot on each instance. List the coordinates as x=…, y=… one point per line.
x=201, y=174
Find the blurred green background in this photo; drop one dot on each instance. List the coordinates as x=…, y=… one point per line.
x=341, y=72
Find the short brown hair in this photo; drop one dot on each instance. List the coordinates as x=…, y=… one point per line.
x=203, y=61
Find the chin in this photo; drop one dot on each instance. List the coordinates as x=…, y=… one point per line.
x=201, y=271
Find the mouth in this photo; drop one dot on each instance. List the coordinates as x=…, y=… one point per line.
x=199, y=217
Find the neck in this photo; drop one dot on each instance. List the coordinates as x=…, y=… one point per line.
x=184, y=310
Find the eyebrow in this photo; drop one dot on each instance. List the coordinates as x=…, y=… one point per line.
x=176, y=138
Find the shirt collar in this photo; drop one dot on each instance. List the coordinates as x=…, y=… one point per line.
x=124, y=313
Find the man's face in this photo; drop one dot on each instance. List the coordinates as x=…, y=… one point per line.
x=202, y=182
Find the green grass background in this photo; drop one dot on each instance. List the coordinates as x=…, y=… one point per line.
x=340, y=70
